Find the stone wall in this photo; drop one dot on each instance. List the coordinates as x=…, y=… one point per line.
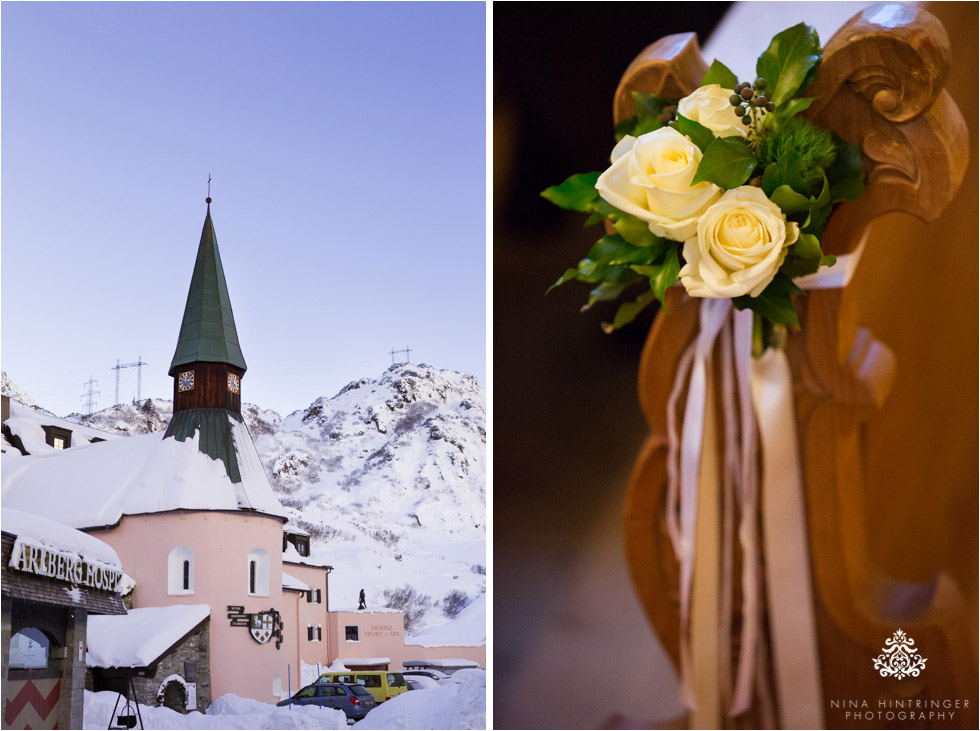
x=191, y=660
x=7, y=613
x=73, y=673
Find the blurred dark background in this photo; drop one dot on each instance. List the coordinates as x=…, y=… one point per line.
x=566, y=421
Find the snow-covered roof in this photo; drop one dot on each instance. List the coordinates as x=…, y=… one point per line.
x=452, y=662
x=86, y=488
x=291, y=555
x=291, y=582
x=348, y=661
x=39, y=531
x=139, y=638
x=27, y=423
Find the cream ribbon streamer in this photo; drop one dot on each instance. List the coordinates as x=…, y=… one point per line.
x=764, y=391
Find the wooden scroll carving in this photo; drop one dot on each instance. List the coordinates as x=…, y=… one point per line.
x=881, y=87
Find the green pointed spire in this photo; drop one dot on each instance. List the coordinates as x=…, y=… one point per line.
x=207, y=332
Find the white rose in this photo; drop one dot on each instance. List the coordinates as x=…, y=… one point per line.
x=650, y=178
x=740, y=244
x=710, y=107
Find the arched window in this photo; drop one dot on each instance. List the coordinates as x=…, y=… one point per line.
x=258, y=572
x=180, y=571
x=29, y=649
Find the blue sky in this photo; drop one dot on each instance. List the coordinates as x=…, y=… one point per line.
x=347, y=148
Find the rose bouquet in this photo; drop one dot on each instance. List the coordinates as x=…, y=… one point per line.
x=727, y=190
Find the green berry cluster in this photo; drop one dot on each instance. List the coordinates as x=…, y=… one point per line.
x=749, y=99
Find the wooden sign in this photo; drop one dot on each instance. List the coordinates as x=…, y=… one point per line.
x=232, y=608
x=239, y=616
x=239, y=623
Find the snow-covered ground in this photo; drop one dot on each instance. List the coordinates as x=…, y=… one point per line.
x=456, y=705
x=227, y=712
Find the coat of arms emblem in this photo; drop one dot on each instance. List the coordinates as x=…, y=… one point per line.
x=262, y=626
x=899, y=658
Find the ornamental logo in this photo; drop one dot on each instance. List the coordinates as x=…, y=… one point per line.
x=261, y=626
x=899, y=658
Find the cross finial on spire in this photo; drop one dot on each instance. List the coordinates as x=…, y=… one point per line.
x=208, y=199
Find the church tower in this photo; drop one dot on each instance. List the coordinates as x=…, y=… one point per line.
x=208, y=364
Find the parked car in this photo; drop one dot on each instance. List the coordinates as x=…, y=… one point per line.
x=383, y=684
x=421, y=681
x=354, y=700
x=436, y=675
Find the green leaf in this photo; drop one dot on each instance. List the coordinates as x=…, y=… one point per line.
x=650, y=105
x=775, y=302
x=628, y=311
x=625, y=127
x=808, y=247
x=793, y=107
x=787, y=170
x=828, y=260
x=635, y=230
x=728, y=162
x=699, y=134
x=846, y=173
x=594, y=218
x=788, y=61
x=647, y=124
x=795, y=266
x=606, y=291
x=578, y=193
x=606, y=247
x=637, y=126
x=667, y=274
x=719, y=73
x=789, y=200
x=569, y=275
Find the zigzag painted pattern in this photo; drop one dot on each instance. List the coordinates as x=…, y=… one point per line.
x=29, y=707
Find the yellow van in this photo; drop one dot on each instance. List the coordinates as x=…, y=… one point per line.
x=383, y=684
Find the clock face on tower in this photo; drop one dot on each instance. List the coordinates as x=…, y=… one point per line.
x=185, y=381
x=234, y=385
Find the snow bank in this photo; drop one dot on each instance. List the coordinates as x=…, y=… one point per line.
x=227, y=712
x=466, y=629
x=45, y=533
x=461, y=705
x=136, y=639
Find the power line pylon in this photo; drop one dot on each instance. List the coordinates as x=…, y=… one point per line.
x=139, y=376
x=90, y=394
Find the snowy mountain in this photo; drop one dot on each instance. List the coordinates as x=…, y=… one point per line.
x=9, y=388
x=388, y=477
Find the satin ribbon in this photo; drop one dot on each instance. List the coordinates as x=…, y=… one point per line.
x=764, y=391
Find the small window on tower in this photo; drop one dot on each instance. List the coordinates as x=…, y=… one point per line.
x=351, y=633
x=59, y=443
x=234, y=385
x=185, y=381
